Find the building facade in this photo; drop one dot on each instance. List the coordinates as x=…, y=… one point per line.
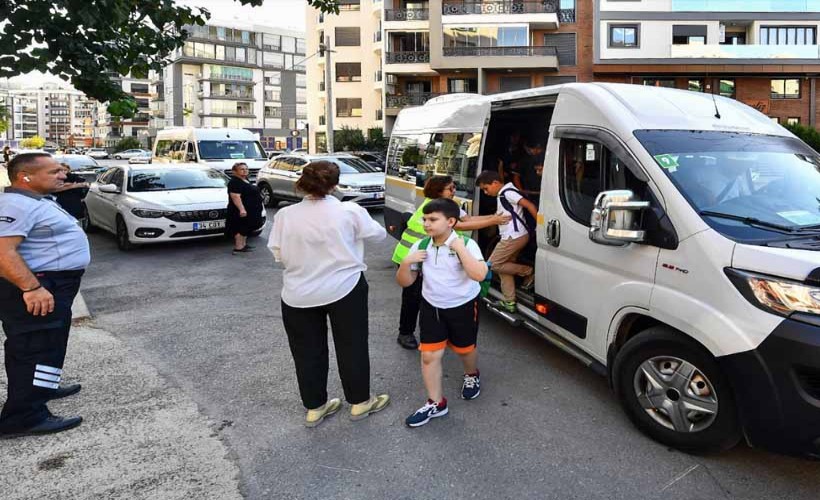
x=761, y=52
x=242, y=76
x=109, y=130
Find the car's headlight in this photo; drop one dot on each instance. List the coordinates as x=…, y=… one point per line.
x=776, y=295
x=346, y=188
x=147, y=213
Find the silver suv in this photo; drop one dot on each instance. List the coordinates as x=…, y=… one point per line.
x=358, y=181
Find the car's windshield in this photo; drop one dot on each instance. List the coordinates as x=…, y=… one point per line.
x=230, y=150
x=741, y=178
x=355, y=166
x=173, y=179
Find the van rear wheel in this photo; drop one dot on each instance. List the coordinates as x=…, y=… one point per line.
x=673, y=390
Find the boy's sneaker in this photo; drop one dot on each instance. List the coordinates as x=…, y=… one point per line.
x=506, y=305
x=471, y=387
x=426, y=412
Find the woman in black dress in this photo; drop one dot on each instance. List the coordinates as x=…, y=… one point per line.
x=244, y=208
x=70, y=196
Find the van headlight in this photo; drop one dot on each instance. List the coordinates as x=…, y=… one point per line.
x=776, y=295
x=147, y=213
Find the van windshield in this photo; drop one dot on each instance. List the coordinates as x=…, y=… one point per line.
x=230, y=150
x=742, y=183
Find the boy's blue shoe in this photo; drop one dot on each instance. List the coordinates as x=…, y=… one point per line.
x=471, y=387
x=426, y=412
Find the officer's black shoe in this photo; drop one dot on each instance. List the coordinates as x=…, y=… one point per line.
x=65, y=390
x=50, y=425
x=408, y=341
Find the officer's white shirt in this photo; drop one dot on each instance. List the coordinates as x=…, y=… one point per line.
x=321, y=244
x=446, y=284
x=508, y=230
x=52, y=238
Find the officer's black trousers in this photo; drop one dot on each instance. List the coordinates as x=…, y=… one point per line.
x=410, y=305
x=35, y=348
x=307, y=336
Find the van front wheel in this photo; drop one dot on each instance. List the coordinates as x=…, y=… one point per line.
x=673, y=390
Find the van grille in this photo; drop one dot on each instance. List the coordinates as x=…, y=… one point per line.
x=199, y=215
x=810, y=381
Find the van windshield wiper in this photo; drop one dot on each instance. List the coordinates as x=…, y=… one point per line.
x=752, y=221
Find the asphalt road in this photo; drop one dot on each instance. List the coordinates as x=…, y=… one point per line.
x=544, y=426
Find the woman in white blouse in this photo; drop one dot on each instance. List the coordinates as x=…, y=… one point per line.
x=320, y=242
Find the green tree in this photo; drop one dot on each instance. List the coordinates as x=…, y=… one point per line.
x=348, y=139
x=86, y=42
x=127, y=143
x=411, y=156
x=376, y=141
x=35, y=142
x=5, y=119
x=809, y=135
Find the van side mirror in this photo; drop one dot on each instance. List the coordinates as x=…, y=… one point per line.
x=617, y=219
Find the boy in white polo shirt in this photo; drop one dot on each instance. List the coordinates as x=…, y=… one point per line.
x=514, y=235
x=453, y=267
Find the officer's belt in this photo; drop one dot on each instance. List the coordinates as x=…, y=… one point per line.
x=60, y=274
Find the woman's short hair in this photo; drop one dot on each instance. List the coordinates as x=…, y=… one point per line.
x=239, y=164
x=318, y=178
x=434, y=187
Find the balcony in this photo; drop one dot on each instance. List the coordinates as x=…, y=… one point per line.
x=524, y=51
x=402, y=15
x=745, y=5
x=403, y=101
x=770, y=52
x=546, y=13
x=515, y=57
x=230, y=96
x=408, y=57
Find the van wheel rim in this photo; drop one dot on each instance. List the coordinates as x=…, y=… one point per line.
x=676, y=394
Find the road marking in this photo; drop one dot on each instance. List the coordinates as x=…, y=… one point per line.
x=339, y=468
x=685, y=473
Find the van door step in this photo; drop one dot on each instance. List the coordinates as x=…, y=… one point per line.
x=511, y=318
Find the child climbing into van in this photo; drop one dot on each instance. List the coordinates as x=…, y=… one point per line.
x=514, y=236
x=452, y=266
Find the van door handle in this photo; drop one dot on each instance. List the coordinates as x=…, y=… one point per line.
x=554, y=232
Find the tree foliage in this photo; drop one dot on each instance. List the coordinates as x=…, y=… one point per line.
x=35, y=142
x=87, y=42
x=376, y=141
x=127, y=143
x=809, y=135
x=348, y=139
x=5, y=119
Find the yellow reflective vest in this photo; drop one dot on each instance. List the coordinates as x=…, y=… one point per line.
x=413, y=233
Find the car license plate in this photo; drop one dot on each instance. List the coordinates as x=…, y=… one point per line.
x=204, y=226
x=378, y=196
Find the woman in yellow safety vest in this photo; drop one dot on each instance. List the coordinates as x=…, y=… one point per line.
x=438, y=186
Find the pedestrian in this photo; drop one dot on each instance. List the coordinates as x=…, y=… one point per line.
x=320, y=243
x=244, y=209
x=43, y=254
x=452, y=266
x=6, y=155
x=514, y=236
x=70, y=195
x=438, y=186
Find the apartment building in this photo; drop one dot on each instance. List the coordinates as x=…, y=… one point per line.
x=356, y=77
x=423, y=49
x=239, y=76
x=761, y=52
x=109, y=130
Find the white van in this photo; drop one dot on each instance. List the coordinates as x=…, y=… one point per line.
x=218, y=148
x=676, y=247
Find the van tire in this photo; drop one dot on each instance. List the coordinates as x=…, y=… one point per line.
x=724, y=431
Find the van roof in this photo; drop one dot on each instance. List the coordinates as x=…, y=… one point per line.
x=208, y=134
x=623, y=107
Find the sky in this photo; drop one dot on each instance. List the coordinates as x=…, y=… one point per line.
x=289, y=14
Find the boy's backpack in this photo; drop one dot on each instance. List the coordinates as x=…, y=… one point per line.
x=526, y=221
x=485, y=283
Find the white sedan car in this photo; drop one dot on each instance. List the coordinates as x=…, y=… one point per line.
x=129, y=153
x=142, y=158
x=150, y=204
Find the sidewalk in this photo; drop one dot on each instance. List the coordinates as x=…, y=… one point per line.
x=141, y=438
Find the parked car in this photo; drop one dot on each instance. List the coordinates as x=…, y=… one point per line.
x=300, y=151
x=358, y=181
x=82, y=165
x=130, y=153
x=98, y=153
x=143, y=204
x=372, y=158
x=274, y=154
x=142, y=158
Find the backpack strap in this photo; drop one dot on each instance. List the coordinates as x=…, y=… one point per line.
x=425, y=242
x=508, y=207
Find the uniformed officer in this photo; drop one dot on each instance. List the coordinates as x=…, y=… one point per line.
x=43, y=254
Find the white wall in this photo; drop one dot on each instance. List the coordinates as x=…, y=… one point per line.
x=638, y=5
x=655, y=38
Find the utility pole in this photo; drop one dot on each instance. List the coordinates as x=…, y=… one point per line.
x=329, y=97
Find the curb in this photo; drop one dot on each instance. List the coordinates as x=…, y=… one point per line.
x=79, y=310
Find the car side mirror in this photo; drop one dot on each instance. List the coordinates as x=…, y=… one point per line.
x=109, y=188
x=617, y=218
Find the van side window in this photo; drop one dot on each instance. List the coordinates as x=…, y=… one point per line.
x=586, y=168
x=406, y=153
x=164, y=148
x=178, y=150
x=455, y=155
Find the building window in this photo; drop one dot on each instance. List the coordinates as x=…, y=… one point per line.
x=696, y=85
x=301, y=95
x=485, y=36
x=624, y=36
x=734, y=38
x=511, y=83
x=668, y=83
x=348, y=5
x=793, y=120
x=557, y=80
x=348, y=72
x=273, y=59
x=273, y=94
x=727, y=88
x=301, y=46
x=786, y=88
x=271, y=42
x=348, y=37
x=686, y=34
x=564, y=44
x=775, y=119
x=348, y=107
x=301, y=81
x=788, y=35
x=458, y=85
x=288, y=44
x=273, y=78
